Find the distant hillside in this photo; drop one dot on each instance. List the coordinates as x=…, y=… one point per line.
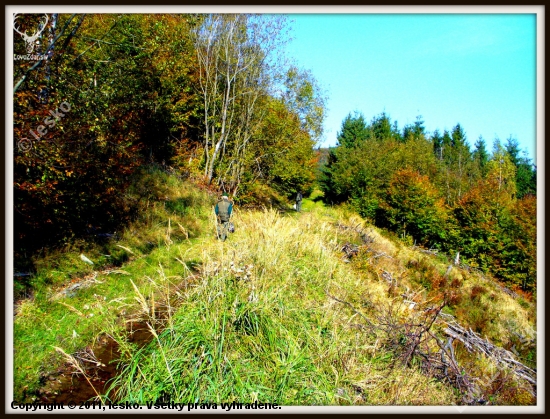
x=322, y=154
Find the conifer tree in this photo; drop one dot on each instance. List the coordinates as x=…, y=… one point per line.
x=354, y=131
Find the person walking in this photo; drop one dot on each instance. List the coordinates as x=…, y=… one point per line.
x=299, y=201
x=223, y=209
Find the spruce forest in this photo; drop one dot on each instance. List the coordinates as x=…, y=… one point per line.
x=414, y=258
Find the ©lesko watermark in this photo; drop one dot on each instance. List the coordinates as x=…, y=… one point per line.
x=25, y=144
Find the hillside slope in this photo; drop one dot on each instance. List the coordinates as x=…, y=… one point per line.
x=315, y=308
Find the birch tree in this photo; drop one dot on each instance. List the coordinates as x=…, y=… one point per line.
x=236, y=68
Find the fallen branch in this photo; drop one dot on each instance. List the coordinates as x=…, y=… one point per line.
x=451, y=371
x=503, y=358
x=353, y=309
x=379, y=255
x=350, y=250
x=427, y=251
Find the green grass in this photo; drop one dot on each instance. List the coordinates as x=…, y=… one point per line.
x=76, y=320
x=251, y=318
x=273, y=336
x=225, y=348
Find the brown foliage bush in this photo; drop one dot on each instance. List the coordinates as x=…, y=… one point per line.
x=477, y=292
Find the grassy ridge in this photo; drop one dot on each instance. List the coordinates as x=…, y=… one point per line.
x=269, y=333
x=260, y=317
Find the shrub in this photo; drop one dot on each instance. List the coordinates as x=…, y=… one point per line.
x=477, y=292
x=413, y=207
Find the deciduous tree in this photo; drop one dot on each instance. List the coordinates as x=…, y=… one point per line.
x=413, y=207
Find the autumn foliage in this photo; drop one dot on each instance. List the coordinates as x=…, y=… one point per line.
x=209, y=97
x=434, y=191
x=413, y=207
x=133, y=85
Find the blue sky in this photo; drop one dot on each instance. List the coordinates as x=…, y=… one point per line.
x=478, y=70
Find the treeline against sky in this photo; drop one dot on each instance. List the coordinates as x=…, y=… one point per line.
x=214, y=98
x=436, y=192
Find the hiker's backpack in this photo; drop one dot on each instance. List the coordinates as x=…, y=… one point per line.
x=223, y=210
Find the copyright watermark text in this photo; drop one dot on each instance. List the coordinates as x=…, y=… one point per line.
x=25, y=144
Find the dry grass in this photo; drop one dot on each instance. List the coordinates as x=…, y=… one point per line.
x=286, y=267
x=279, y=312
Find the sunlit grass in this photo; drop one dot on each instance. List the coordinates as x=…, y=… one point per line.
x=252, y=318
x=272, y=335
x=75, y=318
